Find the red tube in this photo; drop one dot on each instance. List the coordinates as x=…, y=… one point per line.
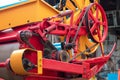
x=7, y=38
x=50, y=28
x=3, y=64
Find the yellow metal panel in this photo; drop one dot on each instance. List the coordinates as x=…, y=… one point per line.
x=87, y=2
x=89, y=43
x=39, y=62
x=27, y=12
x=70, y=5
x=79, y=3
x=85, y=43
x=75, y=17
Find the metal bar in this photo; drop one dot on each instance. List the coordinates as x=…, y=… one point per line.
x=93, y=71
x=7, y=38
x=2, y=64
x=62, y=66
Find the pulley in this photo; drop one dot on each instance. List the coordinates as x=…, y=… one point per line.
x=96, y=22
x=62, y=55
x=22, y=62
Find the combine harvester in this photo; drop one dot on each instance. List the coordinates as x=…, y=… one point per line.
x=27, y=52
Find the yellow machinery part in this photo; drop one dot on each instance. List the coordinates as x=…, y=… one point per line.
x=70, y=6
x=39, y=62
x=93, y=78
x=17, y=64
x=36, y=10
x=97, y=1
x=75, y=16
x=84, y=43
x=87, y=2
x=79, y=4
x=26, y=12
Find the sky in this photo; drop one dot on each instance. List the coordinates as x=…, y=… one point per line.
x=8, y=2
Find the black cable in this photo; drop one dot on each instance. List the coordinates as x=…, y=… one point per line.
x=88, y=49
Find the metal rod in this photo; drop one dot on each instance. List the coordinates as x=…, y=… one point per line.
x=2, y=64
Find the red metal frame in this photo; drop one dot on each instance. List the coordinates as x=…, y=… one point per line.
x=52, y=69
x=87, y=68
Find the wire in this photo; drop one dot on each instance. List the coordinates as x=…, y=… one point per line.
x=88, y=49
